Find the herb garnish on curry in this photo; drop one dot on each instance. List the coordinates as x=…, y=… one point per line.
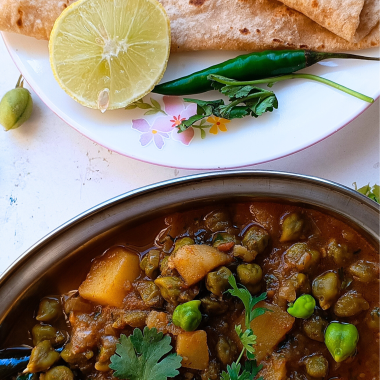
x=250, y=290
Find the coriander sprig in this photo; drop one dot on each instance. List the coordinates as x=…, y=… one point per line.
x=245, y=99
x=248, y=339
x=141, y=356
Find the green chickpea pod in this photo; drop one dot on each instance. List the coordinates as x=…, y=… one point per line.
x=15, y=107
x=303, y=307
x=341, y=340
x=187, y=316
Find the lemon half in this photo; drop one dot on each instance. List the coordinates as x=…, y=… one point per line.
x=107, y=54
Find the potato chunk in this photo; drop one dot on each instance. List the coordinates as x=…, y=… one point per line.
x=108, y=281
x=270, y=329
x=193, y=262
x=275, y=369
x=192, y=346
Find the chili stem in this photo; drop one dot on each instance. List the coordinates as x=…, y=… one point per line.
x=293, y=76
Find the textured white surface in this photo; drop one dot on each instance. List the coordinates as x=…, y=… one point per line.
x=49, y=172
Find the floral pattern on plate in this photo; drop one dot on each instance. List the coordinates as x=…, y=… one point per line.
x=164, y=127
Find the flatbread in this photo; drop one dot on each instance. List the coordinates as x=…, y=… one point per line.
x=33, y=18
x=369, y=18
x=250, y=25
x=349, y=19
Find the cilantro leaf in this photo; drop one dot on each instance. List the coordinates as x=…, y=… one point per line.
x=248, y=300
x=244, y=100
x=253, y=369
x=247, y=338
x=250, y=371
x=370, y=192
x=137, y=357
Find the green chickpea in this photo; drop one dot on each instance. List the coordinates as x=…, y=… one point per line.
x=292, y=227
x=339, y=252
x=301, y=257
x=217, y=221
x=249, y=274
x=43, y=332
x=182, y=242
x=373, y=319
x=350, y=304
x=133, y=318
x=364, y=271
x=326, y=289
x=164, y=266
x=255, y=239
x=303, y=307
x=315, y=327
x=187, y=316
x=47, y=332
x=226, y=350
x=341, y=340
x=16, y=106
x=150, y=263
x=59, y=373
x=170, y=288
x=212, y=306
x=222, y=238
x=217, y=282
x=150, y=293
x=69, y=356
x=49, y=309
x=316, y=366
x=43, y=356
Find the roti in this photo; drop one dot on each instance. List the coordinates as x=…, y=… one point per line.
x=349, y=19
x=250, y=25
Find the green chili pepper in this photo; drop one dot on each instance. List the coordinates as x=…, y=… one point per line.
x=341, y=340
x=187, y=316
x=249, y=67
x=303, y=307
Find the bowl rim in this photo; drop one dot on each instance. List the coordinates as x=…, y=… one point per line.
x=175, y=181
x=357, y=200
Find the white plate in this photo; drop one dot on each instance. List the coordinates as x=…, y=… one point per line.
x=308, y=112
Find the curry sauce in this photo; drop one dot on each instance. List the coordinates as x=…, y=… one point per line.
x=280, y=249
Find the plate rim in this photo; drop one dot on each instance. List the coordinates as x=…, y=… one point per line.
x=44, y=98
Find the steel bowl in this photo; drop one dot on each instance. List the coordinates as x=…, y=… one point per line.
x=36, y=270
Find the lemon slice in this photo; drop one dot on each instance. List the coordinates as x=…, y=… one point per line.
x=107, y=54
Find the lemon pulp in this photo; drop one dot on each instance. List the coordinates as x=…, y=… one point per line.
x=108, y=53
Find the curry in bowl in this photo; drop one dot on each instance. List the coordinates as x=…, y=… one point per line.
x=240, y=291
